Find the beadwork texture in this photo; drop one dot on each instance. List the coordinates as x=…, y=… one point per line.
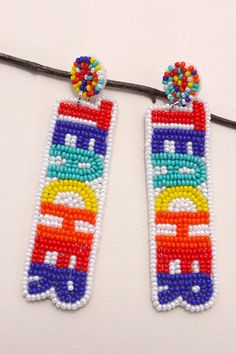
x=88, y=77
x=61, y=256
x=181, y=83
x=182, y=246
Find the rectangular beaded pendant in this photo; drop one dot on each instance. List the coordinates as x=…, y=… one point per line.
x=181, y=240
x=66, y=230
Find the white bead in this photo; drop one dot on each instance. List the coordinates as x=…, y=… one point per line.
x=99, y=188
x=179, y=204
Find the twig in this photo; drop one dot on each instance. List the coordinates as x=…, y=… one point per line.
x=136, y=88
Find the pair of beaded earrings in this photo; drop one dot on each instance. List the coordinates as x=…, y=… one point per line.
x=66, y=230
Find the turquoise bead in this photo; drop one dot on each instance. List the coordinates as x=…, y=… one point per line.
x=71, y=168
x=173, y=164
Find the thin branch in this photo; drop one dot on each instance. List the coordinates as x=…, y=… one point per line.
x=151, y=92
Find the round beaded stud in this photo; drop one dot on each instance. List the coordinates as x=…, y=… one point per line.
x=88, y=77
x=181, y=83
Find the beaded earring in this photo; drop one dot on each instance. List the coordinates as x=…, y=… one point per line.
x=66, y=230
x=181, y=239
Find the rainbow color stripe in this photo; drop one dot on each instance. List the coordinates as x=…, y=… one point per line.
x=88, y=77
x=182, y=249
x=62, y=252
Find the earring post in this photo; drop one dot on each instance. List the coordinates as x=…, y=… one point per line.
x=150, y=92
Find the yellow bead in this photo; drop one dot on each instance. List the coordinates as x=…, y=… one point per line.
x=88, y=87
x=94, y=83
x=92, y=60
x=179, y=82
x=98, y=67
x=176, y=78
x=190, y=84
x=84, y=94
x=187, y=74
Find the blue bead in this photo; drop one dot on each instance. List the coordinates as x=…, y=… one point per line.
x=187, y=99
x=84, y=134
x=51, y=276
x=182, y=284
x=181, y=138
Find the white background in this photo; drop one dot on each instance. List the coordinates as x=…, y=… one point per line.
x=136, y=41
